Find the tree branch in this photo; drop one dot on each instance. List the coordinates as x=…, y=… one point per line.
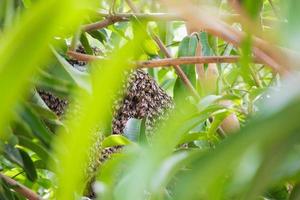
x=167, y=62
x=82, y=57
x=21, y=189
x=263, y=50
x=187, y=60
x=271, y=54
x=146, y=16
x=111, y=19
x=175, y=17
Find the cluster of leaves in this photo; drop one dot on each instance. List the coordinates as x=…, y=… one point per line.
x=193, y=155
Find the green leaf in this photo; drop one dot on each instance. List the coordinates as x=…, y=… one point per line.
x=206, y=48
x=13, y=154
x=5, y=191
x=36, y=24
x=110, y=172
x=168, y=168
x=253, y=7
x=115, y=140
x=55, y=84
x=106, y=81
x=40, y=164
x=35, y=147
x=28, y=166
x=190, y=137
x=85, y=43
x=268, y=128
x=80, y=78
x=245, y=60
x=43, y=112
x=208, y=101
x=99, y=35
x=27, y=3
x=187, y=47
x=132, y=129
x=37, y=126
x=21, y=128
x=150, y=47
x=217, y=121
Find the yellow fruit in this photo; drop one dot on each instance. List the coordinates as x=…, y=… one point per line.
x=211, y=79
x=231, y=123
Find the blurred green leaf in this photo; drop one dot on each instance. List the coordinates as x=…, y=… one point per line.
x=253, y=7
x=54, y=84
x=264, y=128
x=115, y=140
x=80, y=78
x=15, y=41
x=13, y=154
x=190, y=137
x=150, y=47
x=98, y=106
x=27, y=3
x=186, y=157
x=37, y=126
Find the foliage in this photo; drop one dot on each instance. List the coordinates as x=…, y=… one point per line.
x=237, y=138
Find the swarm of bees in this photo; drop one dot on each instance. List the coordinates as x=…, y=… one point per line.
x=140, y=98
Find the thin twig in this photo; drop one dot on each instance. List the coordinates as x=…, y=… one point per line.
x=21, y=189
x=187, y=60
x=112, y=19
x=177, y=68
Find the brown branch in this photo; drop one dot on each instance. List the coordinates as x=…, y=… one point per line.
x=265, y=51
x=112, y=19
x=21, y=189
x=174, y=17
x=146, y=16
x=187, y=60
x=124, y=17
x=82, y=57
x=272, y=54
x=167, y=62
